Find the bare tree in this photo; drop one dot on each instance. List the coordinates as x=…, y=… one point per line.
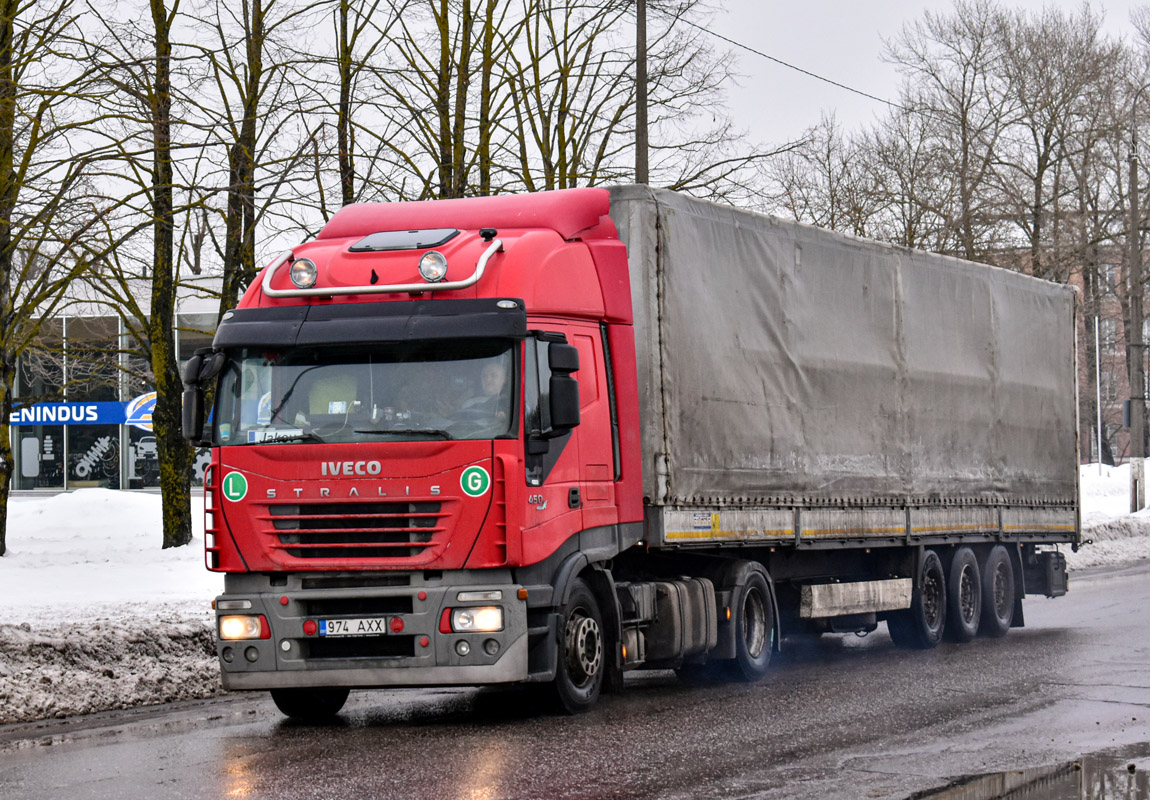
x=135, y=59
x=46, y=208
x=257, y=117
x=907, y=166
x=1054, y=65
x=825, y=181
x=953, y=65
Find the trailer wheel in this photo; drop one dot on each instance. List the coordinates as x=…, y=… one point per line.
x=997, y=593
x=582, y=657
x=920, y=627
x=754, y=628
x=312, y=705
x=964, y=596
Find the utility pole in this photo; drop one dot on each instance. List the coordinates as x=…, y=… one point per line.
x=1136, y=354
x=641, y=174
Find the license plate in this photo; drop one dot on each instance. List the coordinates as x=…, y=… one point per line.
x=367, y=626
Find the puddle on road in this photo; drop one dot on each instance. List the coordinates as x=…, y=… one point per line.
x=1113, y=775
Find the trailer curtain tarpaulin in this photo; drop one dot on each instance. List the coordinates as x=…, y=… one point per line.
x=780, y=363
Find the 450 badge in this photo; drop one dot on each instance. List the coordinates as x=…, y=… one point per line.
x=475, y=481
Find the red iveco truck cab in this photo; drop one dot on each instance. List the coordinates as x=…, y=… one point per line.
x=550, y=438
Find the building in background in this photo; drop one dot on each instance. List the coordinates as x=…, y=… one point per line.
x=84, y=400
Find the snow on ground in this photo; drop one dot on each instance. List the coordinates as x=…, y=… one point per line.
x=1119, y=536
x=100, y=617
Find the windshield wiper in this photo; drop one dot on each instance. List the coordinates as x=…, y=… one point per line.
x=303, y=436
x=405, y=432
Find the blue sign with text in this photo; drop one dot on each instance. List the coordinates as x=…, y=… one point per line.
x=110, y=413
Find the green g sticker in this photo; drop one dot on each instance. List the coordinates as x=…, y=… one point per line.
x=475, y=481
x=235, y=486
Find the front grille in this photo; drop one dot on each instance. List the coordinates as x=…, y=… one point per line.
x=361, y=647
x=395, y=529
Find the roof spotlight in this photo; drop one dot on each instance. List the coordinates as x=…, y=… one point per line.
x=433, y=266
x=303, y=273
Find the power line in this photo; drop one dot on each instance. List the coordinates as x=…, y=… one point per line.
x=780, y=62
x=816, y=76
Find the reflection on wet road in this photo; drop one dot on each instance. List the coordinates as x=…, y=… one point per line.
x=842, y=717
x=1111, y=775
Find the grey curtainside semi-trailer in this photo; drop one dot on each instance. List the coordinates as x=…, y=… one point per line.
x=870, y=432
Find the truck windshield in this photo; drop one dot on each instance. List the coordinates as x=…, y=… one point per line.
x=389, y=392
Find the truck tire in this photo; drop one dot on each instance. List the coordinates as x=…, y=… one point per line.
x=582, y=653
x=997, y=593
x=312, y=705
x=754, y=620
x=963, y=596
x=920, y=627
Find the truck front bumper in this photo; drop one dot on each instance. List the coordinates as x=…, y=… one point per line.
x=411, y=643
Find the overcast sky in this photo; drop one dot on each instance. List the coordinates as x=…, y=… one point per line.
x=841, y=40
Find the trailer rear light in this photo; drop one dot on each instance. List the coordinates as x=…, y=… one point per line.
x=474, y=620
x=303, y=273
x=244, y=626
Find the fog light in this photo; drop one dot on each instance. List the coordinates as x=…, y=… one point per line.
x=491, y=647
x=462, y=647
x=303, y=273
x=228, y=655
x=480, y=618
x=433, y=266
x=244, y=626
x=252, y=654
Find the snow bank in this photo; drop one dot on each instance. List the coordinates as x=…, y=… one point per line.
x=104, y=663
x=101, y=617
x=1119, y=537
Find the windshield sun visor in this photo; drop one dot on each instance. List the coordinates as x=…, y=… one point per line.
x=350, y=323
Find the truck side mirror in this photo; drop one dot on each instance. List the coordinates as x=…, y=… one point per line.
x=192, y=414
x=564, y=403
x=563, y=359
x=203, y=366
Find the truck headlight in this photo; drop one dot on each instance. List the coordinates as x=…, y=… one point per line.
x=244, y=626
x=479, y=619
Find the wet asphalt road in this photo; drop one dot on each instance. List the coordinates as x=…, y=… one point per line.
x=842, y=717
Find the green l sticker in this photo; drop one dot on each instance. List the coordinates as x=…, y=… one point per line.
x=475, y=481
x=235, y=486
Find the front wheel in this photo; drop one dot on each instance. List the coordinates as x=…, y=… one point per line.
x=583, y=651
x=920, y=627
x=312, y=705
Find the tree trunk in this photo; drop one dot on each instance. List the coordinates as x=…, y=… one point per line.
x=6, y=462
x=343, y=130
x=8, y=194
x=175, y=456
